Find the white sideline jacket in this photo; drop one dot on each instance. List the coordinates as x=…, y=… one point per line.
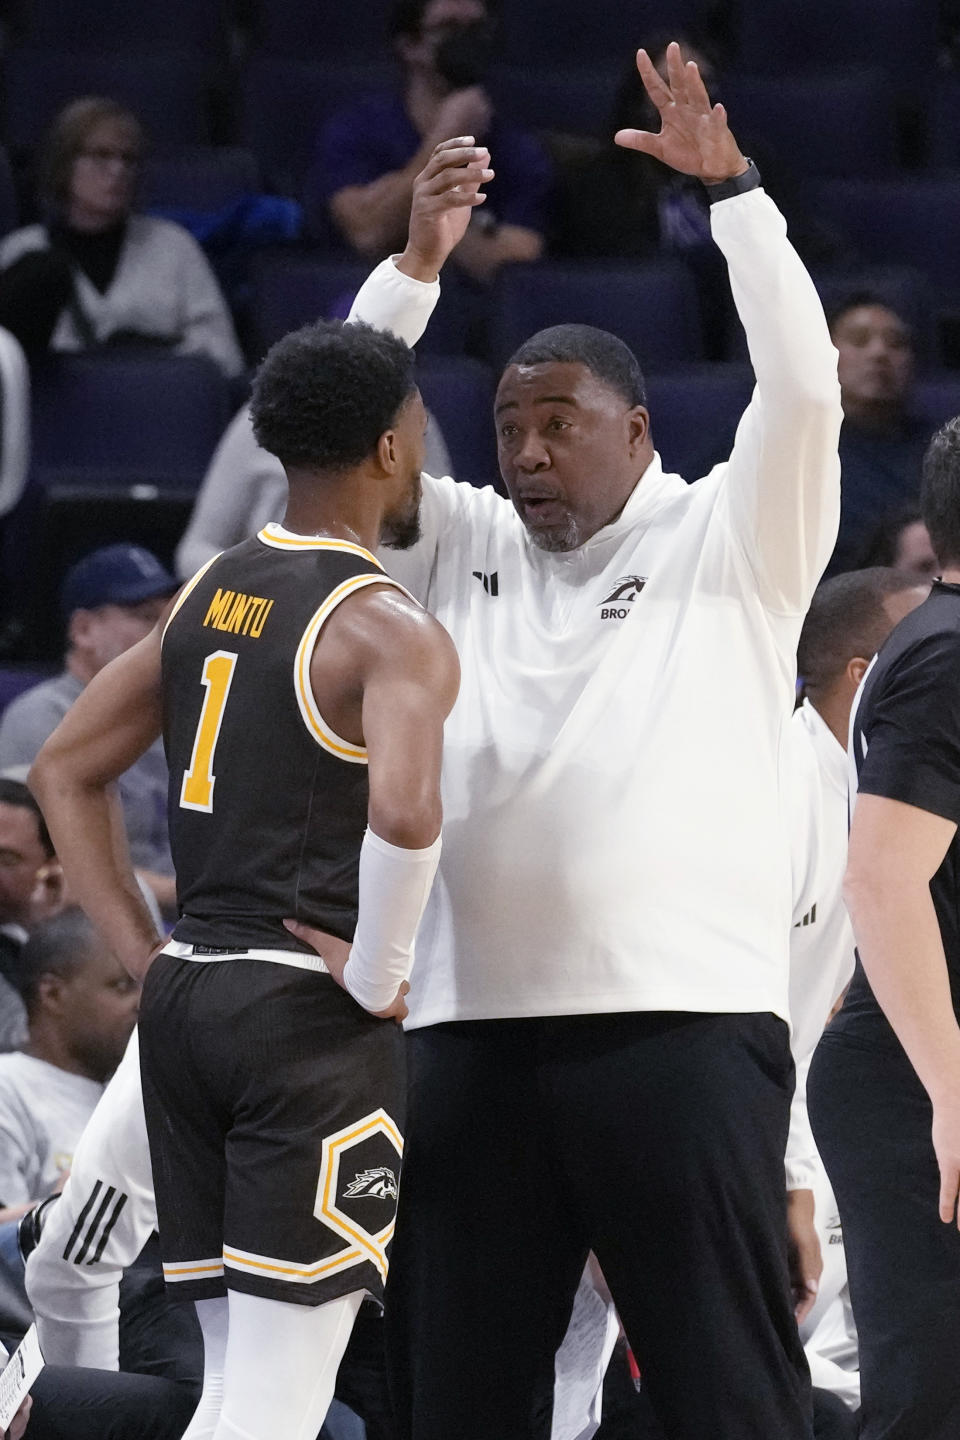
x=613, y=789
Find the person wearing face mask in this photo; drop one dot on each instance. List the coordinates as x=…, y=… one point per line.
x=94, y=273
x=371, y=153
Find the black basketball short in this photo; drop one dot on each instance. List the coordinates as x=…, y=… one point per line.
x=274, y=1107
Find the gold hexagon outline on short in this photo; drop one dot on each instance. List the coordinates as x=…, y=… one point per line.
x=325, y=1208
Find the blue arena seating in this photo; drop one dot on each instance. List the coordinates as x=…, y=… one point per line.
x=9, y=210
x=115, y=422
x=305, y=29
x=900, y=222
x=200, y=26
x=693, y=411
x=652, y=306
x=165, y=90
x=205, y=178
x=944, y=121
x=577, y=101
x=838, y=123
x=284, y=103
x=937, y=398
x=290, y=290
x=782, y=36
x=459, y=393
x=545, y=33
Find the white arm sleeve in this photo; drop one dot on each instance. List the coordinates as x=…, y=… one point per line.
x=800, y=1162
x=96, y=1229
x=390, y=300
x=394, y=886
x=783, y=479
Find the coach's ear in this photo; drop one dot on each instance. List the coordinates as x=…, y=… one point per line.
x=856, y=669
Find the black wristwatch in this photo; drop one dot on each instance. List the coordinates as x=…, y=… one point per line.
x=736, y=185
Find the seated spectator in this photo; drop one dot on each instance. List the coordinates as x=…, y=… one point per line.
x=245, y=488
x=881, y=442
x=902, y=542
x=370, y=154
x=81, y=1007
x=94, y=273
x=30, y=890
x=110, y=599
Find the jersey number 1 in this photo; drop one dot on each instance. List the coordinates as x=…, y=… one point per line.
x=196, y=793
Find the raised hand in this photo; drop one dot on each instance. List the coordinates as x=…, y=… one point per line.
x=444, y=194
x=694, y=136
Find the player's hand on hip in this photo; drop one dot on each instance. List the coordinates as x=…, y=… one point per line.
x=18, y=1425
x=333, y=951
x=946, y=1143
x=445, y=194
x=694, y=136
x=804, y=1253
x=398, y=1010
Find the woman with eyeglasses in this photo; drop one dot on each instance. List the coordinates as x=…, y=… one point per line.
x=94, y=273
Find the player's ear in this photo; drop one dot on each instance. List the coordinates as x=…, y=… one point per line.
x=388, y=452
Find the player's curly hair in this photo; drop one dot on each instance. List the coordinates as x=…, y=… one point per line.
x=326, y=393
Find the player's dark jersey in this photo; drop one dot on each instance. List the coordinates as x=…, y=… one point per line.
x=905, y=744
x=267, y=805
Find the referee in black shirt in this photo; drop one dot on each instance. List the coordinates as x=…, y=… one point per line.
x=888, y=1069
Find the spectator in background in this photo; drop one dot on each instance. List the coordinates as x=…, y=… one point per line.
x=82, y=1006
x=881, y=442
x=30, y=889
x=370, y=153
x=110, y=599
x=903, y=542
x=245, y=488
x=94, y=273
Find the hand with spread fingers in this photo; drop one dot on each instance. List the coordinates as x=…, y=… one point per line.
x=694, y=137
x=445, y=194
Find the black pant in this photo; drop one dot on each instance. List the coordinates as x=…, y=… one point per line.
x=871, y=1119
x=77, y=1404
x=657, y=1140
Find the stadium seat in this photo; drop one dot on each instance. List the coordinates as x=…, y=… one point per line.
x=841, y=123
x=652, y=306
x=303, y=29
x=203, y=179
x=690, y=410
x=782, y=36
x=575, y=101
x=291, y=290
x=605, y=30
x=166, y=92
x=459, y=393
x=284, y=103
x=900, y=222
x=944, y=122
x=937, y=398
x=9, y=210
x=196, y=25
x=119, y=423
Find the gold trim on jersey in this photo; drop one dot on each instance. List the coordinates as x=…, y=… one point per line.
x=309, y=709
x=286, y=1270
x=190, y=585
x=282, y=539
x=188, y=1269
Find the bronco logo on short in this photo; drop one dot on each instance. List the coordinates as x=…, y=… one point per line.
x=381, y=1183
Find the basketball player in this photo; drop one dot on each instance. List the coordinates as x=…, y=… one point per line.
x=301, y=695
x=600, y=1057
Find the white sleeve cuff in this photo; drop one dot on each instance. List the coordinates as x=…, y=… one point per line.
x=390, y=300
x=394, y=886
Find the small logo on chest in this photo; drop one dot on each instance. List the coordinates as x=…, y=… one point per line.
x=616, y=605
x=490, y=583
